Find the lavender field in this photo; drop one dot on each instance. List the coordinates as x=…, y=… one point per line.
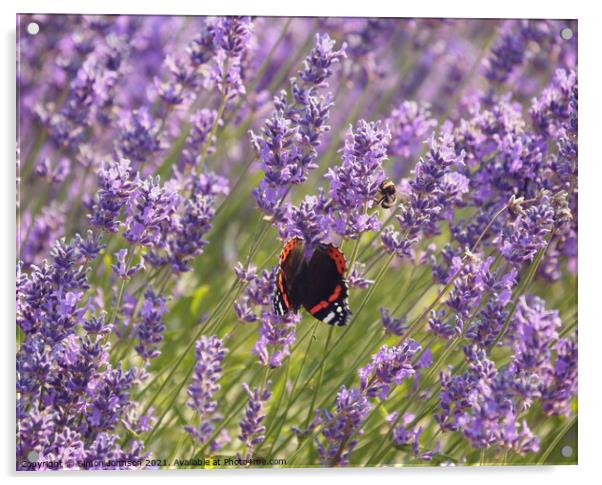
x=165, y=162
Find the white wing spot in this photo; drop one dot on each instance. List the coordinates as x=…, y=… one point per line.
x=329, y=317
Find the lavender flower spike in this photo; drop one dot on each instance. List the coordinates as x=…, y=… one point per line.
x=138, y=137
x=287, y=144
x=150, y=212
x=276, y=338
x=210, y=354
x=354, y=184
x=150, y=329
x=352, y=408
x=251, y=429
x=115, y=187
x=122, y=269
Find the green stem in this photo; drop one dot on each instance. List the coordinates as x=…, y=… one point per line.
x=207, y=143
x=310, y=411
x=117, y=306
x=292, y=391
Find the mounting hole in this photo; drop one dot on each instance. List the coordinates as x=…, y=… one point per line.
x=566, y=451
x=566, y=33
x=33, y=28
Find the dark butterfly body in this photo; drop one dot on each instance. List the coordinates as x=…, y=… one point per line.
x=317, y=284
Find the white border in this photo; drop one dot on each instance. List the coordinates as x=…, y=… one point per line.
x=375, y=8
x=590, y=177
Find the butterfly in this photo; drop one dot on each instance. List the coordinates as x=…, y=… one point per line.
x=317, y=284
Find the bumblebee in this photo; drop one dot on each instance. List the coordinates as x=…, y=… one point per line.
x=386, y=195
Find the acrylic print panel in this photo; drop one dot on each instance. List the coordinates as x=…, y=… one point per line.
x=295, y=242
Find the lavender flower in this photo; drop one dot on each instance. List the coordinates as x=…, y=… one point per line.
x=245, y=275
x=43, y=168
x=182, y=72
x=251, y=429
x=184, y=225
x=138, y=138
x=149, y=213
x=506, y=54
x=277, y=335
x=210, y=354
x=67, y=126
x=245, y=312
x=410, y=124
x=124, y=269
x=202, y=122
x=389, y=367
x=49, y=296
x=533, y=331
x=482, y=404
x=354, y=184
x=91, y=246
x=395, y=243
x=467, y=288
x=227, y=77
x=518, y=42
x=70, y=398
x=115, y=187
x=528, y=233
x=356, y=278
x=309, y=221
x=54, y=174
x=113, y=54
x=393, y=326
x=445, y=327
x=262, y=288
x=255, y=301
x=34, y=433
x=110, y=399
x=180, y=75
x=231, y=36
x=150, y=329
x=98, y=325
x=317, y=66
x=487, y=324
x=365, y=44
x=431, y=195
x=404, y=435
x=561, y=380
x=553, y=109
x=39, y=233
x=517, y=161
x=351, y=410
x=287, y=144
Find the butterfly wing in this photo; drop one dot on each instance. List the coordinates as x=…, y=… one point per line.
x=286, y=296
x=326, y=291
